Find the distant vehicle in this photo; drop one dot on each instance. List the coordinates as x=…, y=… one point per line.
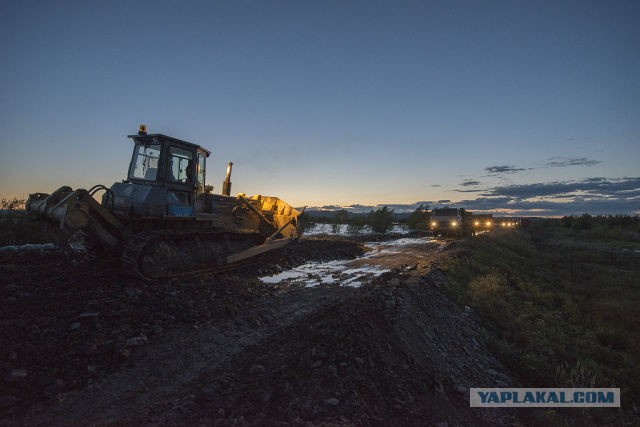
x=482, y=222
x=451, y=222
x=508, y=222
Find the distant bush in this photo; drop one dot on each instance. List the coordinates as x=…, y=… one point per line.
x=381, y=219
x=11, y=215
x=8, y=206
x=16, y=227
x=586, y=222
x=419, y=219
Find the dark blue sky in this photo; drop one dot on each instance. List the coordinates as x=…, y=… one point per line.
x=332, y=102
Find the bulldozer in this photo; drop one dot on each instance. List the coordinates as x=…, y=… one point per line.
x=164, y=220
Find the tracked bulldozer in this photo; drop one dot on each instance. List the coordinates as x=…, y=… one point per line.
x=164, y=221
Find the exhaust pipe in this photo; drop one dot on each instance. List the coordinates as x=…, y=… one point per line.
x=226, y=185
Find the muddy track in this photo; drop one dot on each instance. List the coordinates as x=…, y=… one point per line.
x=164, y=367
x=393, y=351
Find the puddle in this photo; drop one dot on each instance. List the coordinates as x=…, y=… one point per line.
x=325, y=273
x=350, y=230
x=351, y=273
x=28, y=247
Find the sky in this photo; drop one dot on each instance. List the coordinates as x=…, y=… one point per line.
x=518, y=107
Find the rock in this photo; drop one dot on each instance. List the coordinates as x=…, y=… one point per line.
x=136, y=341
x=7, y=401
x=333, y=370
x=16, y=375
x=491, y=372
x=75, y=326
x=503, y=377
x=86, y=349
x=359, y=360
x=332, y=401
x=461, y=389
x=87, y=316
x=257, y=369
x=55, y=387
x=437, y=386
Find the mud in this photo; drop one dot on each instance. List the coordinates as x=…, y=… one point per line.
x=82, y=343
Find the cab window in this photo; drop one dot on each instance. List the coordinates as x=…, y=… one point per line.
x=145, y=162
x=200, y=169
x=180, y=165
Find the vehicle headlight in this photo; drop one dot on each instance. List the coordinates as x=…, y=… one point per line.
x=488, y=223
x=477, y=223
x=433, y=224
x=453, y=223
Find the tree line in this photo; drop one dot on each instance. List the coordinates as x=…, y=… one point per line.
x=380, y=220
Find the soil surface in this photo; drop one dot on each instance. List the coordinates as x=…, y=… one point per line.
x=83, y=343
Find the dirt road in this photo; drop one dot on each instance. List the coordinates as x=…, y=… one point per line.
x=303, y=337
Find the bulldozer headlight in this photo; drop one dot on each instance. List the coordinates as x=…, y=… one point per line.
x=477, y=223
x=433, y=224
x=488, y=223
x=454, y=224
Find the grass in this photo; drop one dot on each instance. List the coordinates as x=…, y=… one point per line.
x=562, y=304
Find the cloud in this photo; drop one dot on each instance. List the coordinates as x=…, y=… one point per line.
x=562, y=162
x=469, y=182
x=595, y=187
x=550, y=208
x=497, y=170
x=476, y=190
x=436, y=185
x=599, y=196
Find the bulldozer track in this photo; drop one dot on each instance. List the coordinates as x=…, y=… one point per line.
x=135, y=248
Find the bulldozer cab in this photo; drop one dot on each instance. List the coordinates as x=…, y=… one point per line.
x=177, y=165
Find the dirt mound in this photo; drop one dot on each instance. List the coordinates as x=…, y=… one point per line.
x=88, y=345
x=69, y=319
x=395, y=352
x=340, y=364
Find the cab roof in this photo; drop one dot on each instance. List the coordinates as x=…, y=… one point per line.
x=161, y=138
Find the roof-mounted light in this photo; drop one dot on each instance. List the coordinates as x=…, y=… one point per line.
x=142, y=130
